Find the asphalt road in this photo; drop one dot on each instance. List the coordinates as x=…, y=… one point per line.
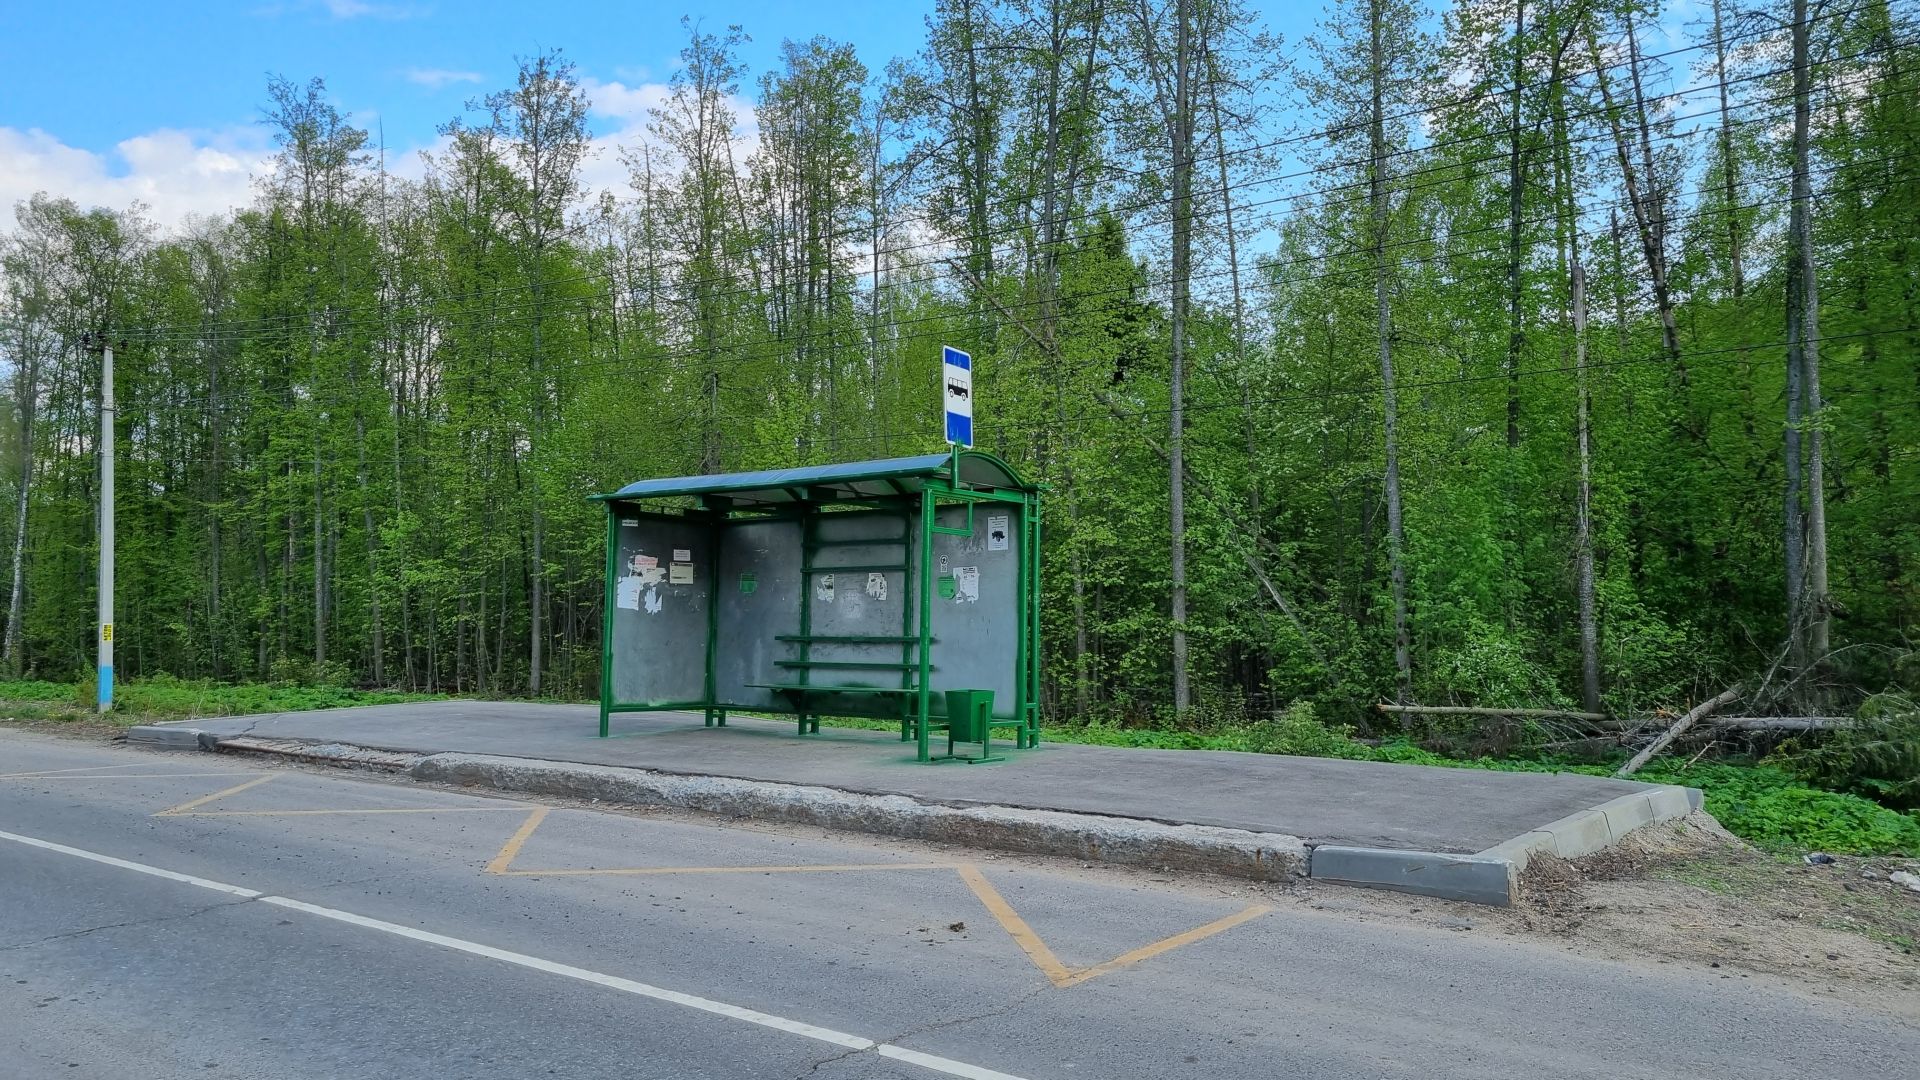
x=169, y=916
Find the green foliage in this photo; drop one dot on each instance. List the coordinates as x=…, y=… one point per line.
x=163, y=697
x=1877, y=756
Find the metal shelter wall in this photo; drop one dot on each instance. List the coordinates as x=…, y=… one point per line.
x=659, y=616
x=977, y=631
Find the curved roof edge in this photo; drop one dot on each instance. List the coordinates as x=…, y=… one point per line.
x=976, y=467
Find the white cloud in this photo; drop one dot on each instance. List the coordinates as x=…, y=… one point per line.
x=173, y=172
x=632, y=105
x=629, y=108
x=341, y=9
x=437, y=78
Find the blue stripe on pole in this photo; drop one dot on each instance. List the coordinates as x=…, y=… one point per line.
x=106, y=686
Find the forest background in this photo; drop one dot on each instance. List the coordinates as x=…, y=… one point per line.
x=1474, y=356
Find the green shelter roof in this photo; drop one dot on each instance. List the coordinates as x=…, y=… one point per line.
x=818, y=483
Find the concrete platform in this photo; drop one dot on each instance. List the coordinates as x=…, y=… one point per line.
x=1440, y=831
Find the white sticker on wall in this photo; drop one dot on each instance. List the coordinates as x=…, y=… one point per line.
x=877, y=586
x=966, y=581
x=682, y=555
x=626, y=593
x=823, y=589
x=653, y=601
x=681, y=573
x=943, y=566
x=997, y=533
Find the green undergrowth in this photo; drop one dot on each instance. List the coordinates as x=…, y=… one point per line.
x=166, y=698
x=1760, y=803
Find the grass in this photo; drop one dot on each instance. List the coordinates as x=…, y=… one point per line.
x=167, y=698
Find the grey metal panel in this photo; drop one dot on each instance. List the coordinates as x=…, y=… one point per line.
x=861, y=603
x=977, y=643
x=660, y=628
x=750, y=622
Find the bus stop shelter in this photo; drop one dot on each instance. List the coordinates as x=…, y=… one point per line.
x=868, y=589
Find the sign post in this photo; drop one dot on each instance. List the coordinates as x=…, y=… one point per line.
x=957, y=377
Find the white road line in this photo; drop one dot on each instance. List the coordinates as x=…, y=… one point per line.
x=614, y=982
x=138, y=868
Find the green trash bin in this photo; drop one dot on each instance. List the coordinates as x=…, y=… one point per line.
x=969, y=715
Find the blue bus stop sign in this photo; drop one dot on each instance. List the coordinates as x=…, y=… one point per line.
x=956, y=370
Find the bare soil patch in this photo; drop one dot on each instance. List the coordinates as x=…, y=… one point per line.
x=1689, y=892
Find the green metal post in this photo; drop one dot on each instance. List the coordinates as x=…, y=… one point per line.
x=606, y=631
x=713, y=614
x=1033, y=612
x=1023, y=566
x=926, y=619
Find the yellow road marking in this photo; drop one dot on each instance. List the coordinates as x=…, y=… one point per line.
x=376, y=810
x=1015, y=926
x=502, y=863
x=1164, y=945
x=192, y=808
x=1030, y=942
x=176, y=811
x=80, y=768
x=806, y=869
x=512, y=849
x=119, y=776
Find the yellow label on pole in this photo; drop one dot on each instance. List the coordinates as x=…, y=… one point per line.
x=106, y=631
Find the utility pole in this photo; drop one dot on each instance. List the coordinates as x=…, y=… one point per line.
x=106, y=524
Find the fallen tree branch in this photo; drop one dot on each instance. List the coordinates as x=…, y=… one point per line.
x=1781, y=723
x=1679, y=728
x=1474, y=710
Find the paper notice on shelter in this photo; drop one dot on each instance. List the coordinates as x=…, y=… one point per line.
x=877, y=586
x=997, y=533
x=680, y=574
x=626, y=593
x=823, y=589
x=682, y=555
x=966, y=580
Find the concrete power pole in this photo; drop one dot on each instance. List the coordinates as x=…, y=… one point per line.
x=106, y=526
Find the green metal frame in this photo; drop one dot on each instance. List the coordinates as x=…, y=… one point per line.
x=912, y=701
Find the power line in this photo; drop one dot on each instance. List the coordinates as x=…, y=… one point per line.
x=286, y=321
x=763, y=350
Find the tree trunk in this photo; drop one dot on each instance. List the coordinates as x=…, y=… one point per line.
x=1516, y=337
x=28, y=394
x=1642, y=199
x=1817, y=612
x=1729, y=166
x=1182, y=270
x=1377, y=199
x=1583, y=510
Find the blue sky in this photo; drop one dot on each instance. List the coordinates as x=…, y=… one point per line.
x=112, y=102
x=109, y=102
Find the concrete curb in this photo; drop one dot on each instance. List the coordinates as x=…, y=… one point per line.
x=163, y=737
x=1233, y=852
x=1487, y=877
x=1475, y=879
x=1493, y=876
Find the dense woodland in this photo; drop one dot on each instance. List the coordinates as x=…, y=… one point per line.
x=1487, y=355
